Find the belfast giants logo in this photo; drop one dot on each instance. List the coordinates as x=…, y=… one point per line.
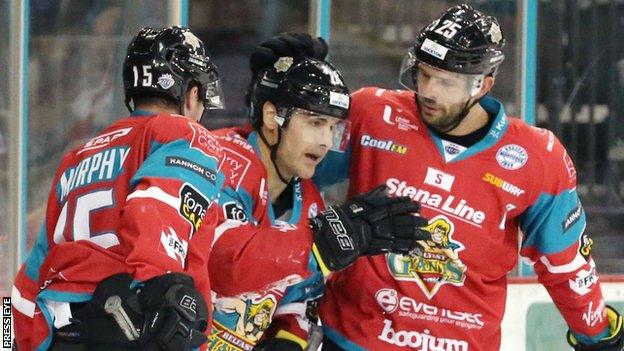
x=439, y=262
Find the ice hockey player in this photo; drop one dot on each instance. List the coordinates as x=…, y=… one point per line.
x=298, y=112
x=481, y=176
x=130, y=214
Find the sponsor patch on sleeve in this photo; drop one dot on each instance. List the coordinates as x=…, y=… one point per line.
x=193, y=206
x=572, y=217
x=205, y=172
x=585, y=246
x=234, y=211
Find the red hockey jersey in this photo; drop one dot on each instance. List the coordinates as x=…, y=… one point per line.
x=452, y=297
x=272, y=245
x=137, y=198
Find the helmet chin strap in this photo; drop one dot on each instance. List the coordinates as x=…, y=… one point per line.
x=273, y=149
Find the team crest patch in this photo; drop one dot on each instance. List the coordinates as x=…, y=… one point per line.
x=437, y=264
x=512, y=156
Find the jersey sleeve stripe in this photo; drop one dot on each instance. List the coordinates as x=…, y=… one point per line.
x=157, y=194
x=577, y=263
x=225, y=226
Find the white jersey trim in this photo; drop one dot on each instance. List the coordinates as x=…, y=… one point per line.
x=578, y=262
x=156, y=193
x=21, y=304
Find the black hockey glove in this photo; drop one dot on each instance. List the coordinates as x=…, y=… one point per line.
x=613, y=342
x=275, y=344
x=295, y=45
x=369, y=224
x=166, y=313
x=176, y=314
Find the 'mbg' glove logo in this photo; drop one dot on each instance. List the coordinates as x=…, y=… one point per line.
x=189, y=303
x=332, y=218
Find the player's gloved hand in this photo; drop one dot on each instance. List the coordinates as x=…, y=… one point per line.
x=295, y=45
x=613, y=342
x=369, y=224
x=277, y=344
x=176, y=314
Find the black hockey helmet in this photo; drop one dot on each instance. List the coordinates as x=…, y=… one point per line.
x=165, y=62
x=310, y=84
x=462, y=40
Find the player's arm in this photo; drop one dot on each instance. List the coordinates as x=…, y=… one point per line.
x=247, y=258
x=169, y=215
x=28, y=280
x=167, y=226
x=556, y=243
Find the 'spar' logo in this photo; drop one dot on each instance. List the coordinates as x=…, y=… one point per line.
x=104, y=139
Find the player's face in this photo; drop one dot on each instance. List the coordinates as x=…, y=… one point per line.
x=305, y=142
x=441, y=96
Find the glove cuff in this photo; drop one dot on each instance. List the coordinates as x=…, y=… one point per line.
x=321, y=264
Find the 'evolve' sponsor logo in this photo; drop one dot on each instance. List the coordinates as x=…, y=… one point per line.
x=500, y=183
x=421, y=341
x=460, y=209
x=390, y=301
x=385, y=145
